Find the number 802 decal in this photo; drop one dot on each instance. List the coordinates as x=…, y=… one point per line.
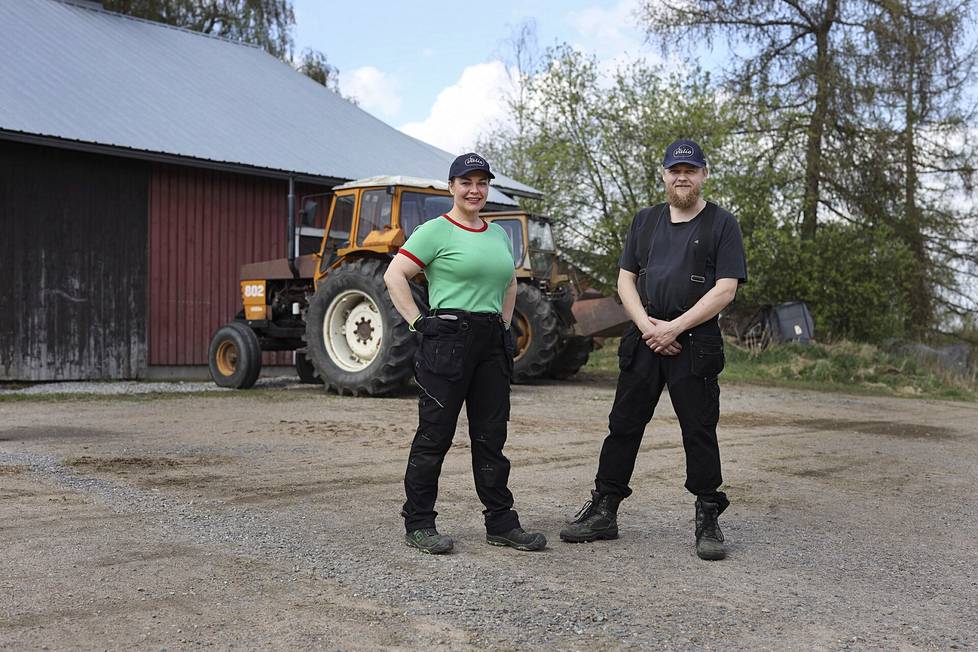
x=253, y=290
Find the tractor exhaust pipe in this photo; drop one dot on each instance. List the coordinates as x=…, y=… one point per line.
x=291, y=239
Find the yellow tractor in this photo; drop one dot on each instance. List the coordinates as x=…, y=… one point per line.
x=327, y=301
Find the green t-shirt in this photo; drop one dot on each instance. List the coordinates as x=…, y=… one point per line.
x=467, y=269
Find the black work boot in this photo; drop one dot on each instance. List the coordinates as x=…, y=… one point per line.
x=517, y=538
x=429, y=541
x=709, y=538
x=597, y=520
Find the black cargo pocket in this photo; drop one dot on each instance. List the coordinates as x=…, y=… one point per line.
x=706, y=355
x=442, y=348
x=628, y=347
x=444, y=358
x=438, y=368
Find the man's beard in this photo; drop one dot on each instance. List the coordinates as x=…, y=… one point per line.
x=683, y=198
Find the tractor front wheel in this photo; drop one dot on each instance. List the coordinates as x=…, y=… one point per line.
x=234, y=356
x=355, y=338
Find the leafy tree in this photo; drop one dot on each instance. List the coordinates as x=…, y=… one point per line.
x=265, y=23
x=854, y=279
x=874, y=93
x=919, y=59
x=313, y=64
x=791, y=69
x=593, y=143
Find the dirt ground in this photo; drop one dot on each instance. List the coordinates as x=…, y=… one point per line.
x=269, y=519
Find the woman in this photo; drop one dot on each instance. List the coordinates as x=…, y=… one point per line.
x=466, y=355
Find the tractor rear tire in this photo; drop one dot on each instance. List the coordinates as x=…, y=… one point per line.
x=536, y=331
x=355, y=338
x=571, y=356
x=305, y=370
x=234, y=356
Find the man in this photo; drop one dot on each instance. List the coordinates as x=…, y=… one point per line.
x=681, y=266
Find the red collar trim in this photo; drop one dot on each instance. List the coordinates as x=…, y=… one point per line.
x=485, y=225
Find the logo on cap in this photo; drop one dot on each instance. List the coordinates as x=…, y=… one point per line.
x=683, y=150
x=472, y=160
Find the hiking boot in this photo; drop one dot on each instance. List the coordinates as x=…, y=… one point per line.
x=709, y=538
x=517, y=538
x=596, y=520
x=429, y=541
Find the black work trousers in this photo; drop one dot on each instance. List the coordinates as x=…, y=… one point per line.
x=467, y=359
x=695, y=392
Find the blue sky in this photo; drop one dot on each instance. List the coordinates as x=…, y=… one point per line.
x=435, y=69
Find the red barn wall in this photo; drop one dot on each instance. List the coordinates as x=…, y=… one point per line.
x=203, y=225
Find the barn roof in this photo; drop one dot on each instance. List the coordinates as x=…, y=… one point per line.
x=76, y=75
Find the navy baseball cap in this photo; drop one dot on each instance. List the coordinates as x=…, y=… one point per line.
x=684, y=151
x=467, y=163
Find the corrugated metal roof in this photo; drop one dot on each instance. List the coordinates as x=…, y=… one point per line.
x=72, y=72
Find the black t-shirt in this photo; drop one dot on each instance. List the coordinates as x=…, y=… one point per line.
x=671, y=259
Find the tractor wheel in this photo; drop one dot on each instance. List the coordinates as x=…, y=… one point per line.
x=571, y=356
x=305, y=370
x=355, y=338
x=234, y=356
x=535, y=329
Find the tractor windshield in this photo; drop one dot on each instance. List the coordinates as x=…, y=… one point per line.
x=541, y=236
x=419, y=207
x=375, y=213
x=542, y=249
x=514, y=228
x=339, y=229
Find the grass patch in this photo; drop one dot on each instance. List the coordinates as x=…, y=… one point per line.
x=840, y=367
x=605, y=359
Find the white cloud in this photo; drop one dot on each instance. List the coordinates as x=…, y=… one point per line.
x=373, y=90
x=614, y=36
x=609, y=31
x=465, y=110
x=476, y=103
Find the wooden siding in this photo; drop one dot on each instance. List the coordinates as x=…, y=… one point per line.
x=203, y=226
x=72, y=264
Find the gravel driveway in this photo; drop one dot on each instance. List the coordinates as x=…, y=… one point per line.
x=269, y=518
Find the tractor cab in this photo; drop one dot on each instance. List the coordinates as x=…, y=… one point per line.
x=375, y=216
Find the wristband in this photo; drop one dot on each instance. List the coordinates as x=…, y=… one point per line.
x=411, y=324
